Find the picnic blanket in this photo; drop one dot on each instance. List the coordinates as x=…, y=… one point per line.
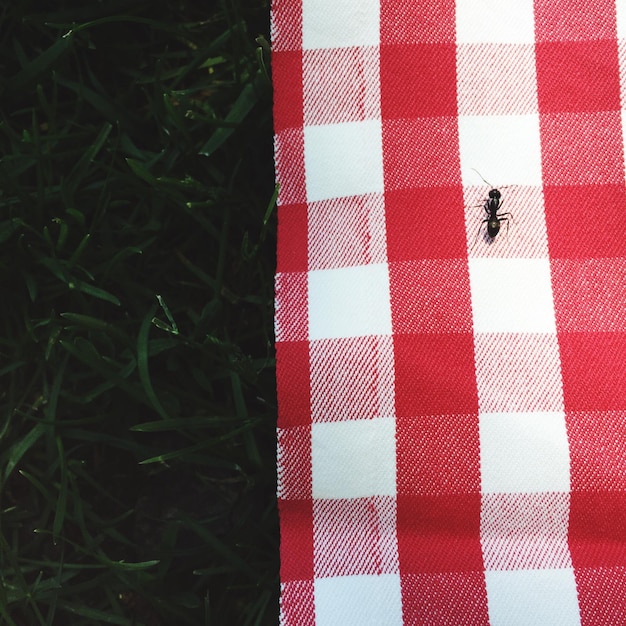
x=452, y=406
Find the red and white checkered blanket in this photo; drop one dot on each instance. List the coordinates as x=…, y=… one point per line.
x=452, y=406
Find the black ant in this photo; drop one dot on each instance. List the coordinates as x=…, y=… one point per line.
x=492, y=205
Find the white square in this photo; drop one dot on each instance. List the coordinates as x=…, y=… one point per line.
x=620, y=9
x=349, y=302
x=623, y=90
x=340, y=23
x=505, y=149
x=362, y=600
x=524, y=453
x=532, y=598
x=343, y=160
x=511, y=295
x=497, y=21
x=354, y=459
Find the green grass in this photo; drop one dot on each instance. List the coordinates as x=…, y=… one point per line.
x=137, y=391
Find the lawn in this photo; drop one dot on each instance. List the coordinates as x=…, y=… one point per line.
x=137, y=384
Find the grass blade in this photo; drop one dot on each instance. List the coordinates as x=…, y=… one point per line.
x=96, y=292
x=246, y=101
x=21, y=447
x=142, y=363
x=31, y=72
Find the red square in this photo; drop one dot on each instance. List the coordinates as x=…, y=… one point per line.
x=597, y=532
x=601, y=593
x=291, y=251
x=573, y=20
x=418, y=227
x=417, y=22
x=439, y=534
x=435, y=374
x=575, y=232
x=293, y=383
x=422, y=153
x=577, y=76
x=295, y=473
x=417, y=80
x=287, y=72
x=594, y=376
x=597, y=442
x=291, y=307
x=430, y=296
x=582, y=149
x=355, y=537
x=438, y=455
x=445, y=598
x=296, y=539
x=289, y=159
x=589, y=294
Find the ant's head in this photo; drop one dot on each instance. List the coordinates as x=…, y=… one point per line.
x=494, y=194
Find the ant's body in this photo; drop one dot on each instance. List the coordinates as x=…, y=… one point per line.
x=492, y=205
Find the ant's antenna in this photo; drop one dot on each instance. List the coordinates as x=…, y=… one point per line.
x=486, y=182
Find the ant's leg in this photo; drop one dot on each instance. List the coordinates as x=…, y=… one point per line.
x=487, y=213
x=479, y=229
x=509, y=214
x=504, y=219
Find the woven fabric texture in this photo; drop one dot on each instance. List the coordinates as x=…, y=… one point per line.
x=452, y=405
